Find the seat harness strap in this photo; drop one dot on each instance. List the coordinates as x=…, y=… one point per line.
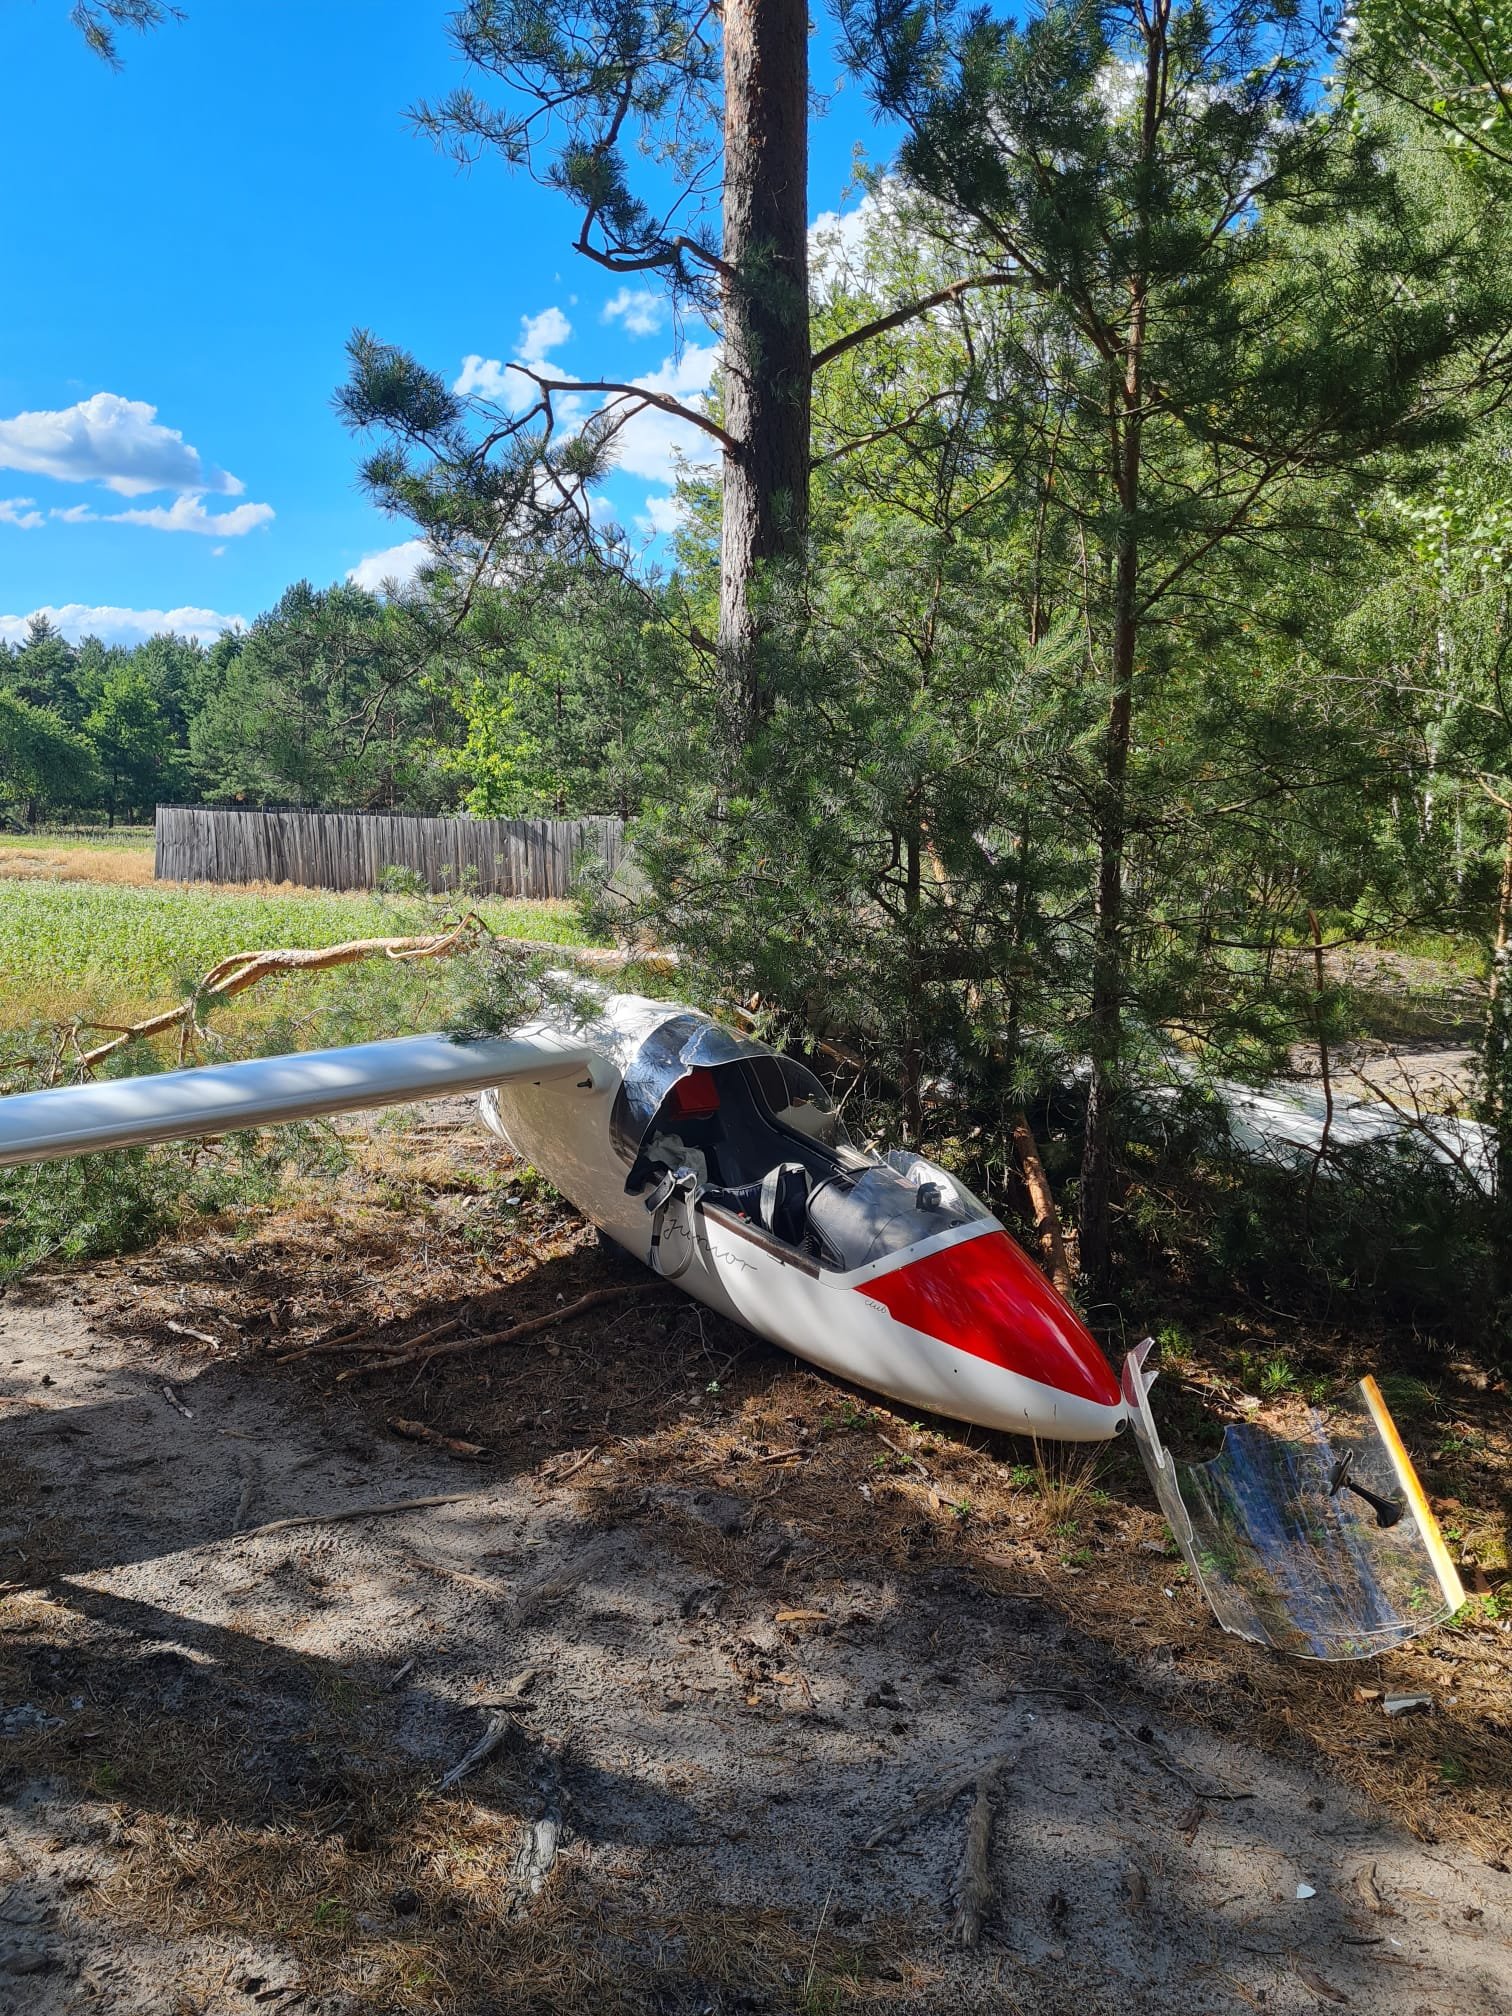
x=676, y=1183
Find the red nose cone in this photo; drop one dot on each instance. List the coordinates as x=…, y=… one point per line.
x=986, y=1297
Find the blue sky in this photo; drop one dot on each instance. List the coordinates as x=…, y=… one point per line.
x=188, y=245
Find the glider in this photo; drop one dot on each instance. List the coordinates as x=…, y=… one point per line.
x=725, y=1167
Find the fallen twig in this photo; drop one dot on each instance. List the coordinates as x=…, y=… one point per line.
x=514, y=1335
x=326, y=1343
x=933, y=1799
x=495, y=1591
x=355, y=1512
x=416, y=1431
x=551, y=1585
x=176, y=1404
x=361, y=1340
x=580, y=1460
x=542, y=1839
x=496, y=1732
x=974, y=1894
x=907, y=1455
x=199, y=1336
x=516, y=1689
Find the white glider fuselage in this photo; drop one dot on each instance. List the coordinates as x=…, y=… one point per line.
x=956, y=1321
x=723, y=1165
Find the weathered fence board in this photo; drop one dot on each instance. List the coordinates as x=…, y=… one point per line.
x=352, y=850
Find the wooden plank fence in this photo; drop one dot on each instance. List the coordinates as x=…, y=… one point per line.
x=351, y=850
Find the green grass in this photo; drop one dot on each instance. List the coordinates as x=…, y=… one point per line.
x=147, y=945
x=133, y=839
x=113, y=952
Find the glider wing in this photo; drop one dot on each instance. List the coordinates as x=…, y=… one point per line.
x=266, y=1091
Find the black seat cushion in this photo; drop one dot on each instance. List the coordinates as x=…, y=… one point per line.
x=784, y=1202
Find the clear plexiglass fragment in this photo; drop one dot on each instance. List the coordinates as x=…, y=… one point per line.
x=1321, y=1544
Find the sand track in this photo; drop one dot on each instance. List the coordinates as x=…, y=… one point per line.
x=214, y=1797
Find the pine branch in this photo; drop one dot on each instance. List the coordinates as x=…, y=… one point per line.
x=661, y=400
x=939, y=299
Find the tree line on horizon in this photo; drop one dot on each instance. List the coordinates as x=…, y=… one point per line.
x=336, y=698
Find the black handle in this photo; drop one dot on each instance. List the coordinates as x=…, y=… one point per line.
x=1387, y=1510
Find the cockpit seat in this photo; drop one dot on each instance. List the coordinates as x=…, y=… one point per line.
x=784, y=1202
x=779, y=1201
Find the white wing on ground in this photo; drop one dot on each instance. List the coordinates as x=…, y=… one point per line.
x=266, y=1091
x=1290, y=1119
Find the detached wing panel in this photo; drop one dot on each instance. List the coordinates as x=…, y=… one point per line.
x=266, y=1091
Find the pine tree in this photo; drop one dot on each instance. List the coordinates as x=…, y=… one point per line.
x=101, y=23
x=717, y=98
x=1248, y=309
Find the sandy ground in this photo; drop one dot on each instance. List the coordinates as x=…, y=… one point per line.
x=1418, y=1078
x=741, y=1768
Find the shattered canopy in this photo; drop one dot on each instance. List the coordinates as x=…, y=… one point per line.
x=1322, y=1545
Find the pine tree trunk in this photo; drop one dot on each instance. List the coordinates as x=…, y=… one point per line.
x=1497, y=1095
x=1106, y=1019
x=1108, y=955
x=766, y=314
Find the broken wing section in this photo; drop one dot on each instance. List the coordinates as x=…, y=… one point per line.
x=1323, y=1546
x=266, y=1091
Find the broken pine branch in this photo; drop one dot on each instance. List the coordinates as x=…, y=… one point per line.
x=974, y=1893
x=496, y=1732
x=417, y=1431
x=244, y=969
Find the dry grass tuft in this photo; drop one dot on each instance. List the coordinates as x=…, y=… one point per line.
x=409, y=1895
x=58, y=861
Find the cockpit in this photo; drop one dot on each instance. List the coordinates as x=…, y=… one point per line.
x=754, y=1137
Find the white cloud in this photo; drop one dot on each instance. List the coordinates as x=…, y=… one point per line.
x=856, y=249
x=489, y=378
x=123, y=626
x=838, y=234
x=659, y=517
x=642, y=311
x=481, y=377
x=838, y=242
x=110, y=440
x=18, y=511
x=188, y=514
x=650, y=444
x=543, y=333
x=399, y=564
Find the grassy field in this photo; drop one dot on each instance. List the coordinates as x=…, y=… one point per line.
x=142, y=943
x=82, y=957
x=87, y=934
x=118, y=854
